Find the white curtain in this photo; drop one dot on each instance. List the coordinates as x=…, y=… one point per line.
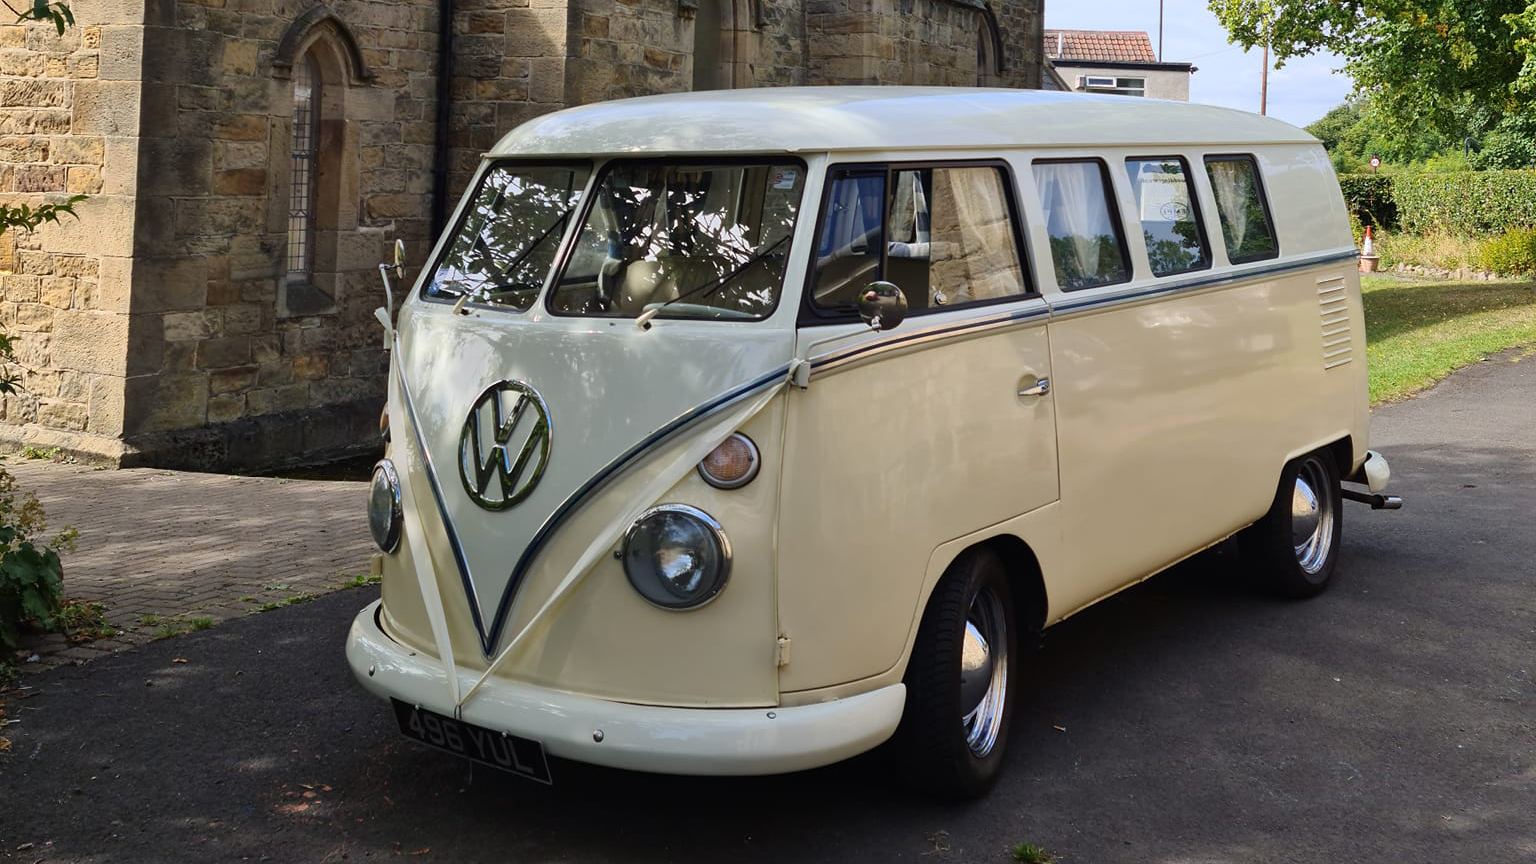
x=1233, y=188
x=1073, y=196
x=974, y=256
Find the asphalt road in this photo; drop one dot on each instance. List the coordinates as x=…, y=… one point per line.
x=1186, y=721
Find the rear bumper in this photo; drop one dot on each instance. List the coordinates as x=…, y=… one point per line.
x=1373, y=472
x=635, y=737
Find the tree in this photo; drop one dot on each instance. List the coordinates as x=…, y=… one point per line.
x=1458, y=66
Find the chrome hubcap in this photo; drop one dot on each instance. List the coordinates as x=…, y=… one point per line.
x=984, y=672
x=1312, y=516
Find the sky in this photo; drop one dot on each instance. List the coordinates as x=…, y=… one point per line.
x=1300, y=93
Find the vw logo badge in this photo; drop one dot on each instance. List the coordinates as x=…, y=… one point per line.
x=505, y=445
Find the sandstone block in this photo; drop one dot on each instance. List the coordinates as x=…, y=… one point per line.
x=34, y=318
x=62, y=415
x=242, y=127
x=231, y=380
x=58, y=292
x=157, y=403
x=240, y=181
x=75, y=265
x=169, y=284
x=38, y=178
x=31, y=263
x=83, y=178
x=310, y=367
x=122, y=52
x=33, y=93
x=224, y=352
x=106, y=108
x=182, y=326
x=90, y=342
x=223, y=409
x=289, y=397
x=23, y=149
x=74, y=150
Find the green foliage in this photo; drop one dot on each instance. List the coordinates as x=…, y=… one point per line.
x=1511, y=253
x=1450, y=65
x=1369, y=197
x=1354, y=132
x=31, y=575
x=1470, y=203
x=42, y=10
x=1029, y=853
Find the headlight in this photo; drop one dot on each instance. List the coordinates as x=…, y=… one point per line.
x=677, y=556
x=732, y=465
x=384, y=510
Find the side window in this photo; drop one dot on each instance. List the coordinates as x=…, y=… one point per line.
x=1170, y=218
x=852, y=226
x=947, y=235
x=1240, y=203
x=1087, y=248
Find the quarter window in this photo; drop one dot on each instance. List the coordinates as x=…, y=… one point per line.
x=943, y=234
x=1087, y=248
x=1170, y=219
x=1245, y=224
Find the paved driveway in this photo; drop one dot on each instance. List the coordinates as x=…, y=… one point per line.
x=1186, y=721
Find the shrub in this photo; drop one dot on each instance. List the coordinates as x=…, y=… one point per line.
x=1470, y=203
x=31, y=576
x=1439, y=250
x=1369, y=197
x=1510, y=253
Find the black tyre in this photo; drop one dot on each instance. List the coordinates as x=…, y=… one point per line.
x=960, y=682
x=1295, y=546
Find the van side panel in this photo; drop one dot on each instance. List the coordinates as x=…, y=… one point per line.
x=1176, y=411
x=886, y=460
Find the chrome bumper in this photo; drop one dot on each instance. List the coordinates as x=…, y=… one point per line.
x=716, y=741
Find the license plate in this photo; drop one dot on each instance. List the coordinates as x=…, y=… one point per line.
x=521, y=756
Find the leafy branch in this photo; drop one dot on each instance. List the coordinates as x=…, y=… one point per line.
x=27, y=218
x=42, y=10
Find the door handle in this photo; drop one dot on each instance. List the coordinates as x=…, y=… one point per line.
x=1041, y=387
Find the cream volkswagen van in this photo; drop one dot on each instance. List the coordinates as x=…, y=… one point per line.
x=740, y=432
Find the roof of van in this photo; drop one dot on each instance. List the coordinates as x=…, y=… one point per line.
x=815, y=119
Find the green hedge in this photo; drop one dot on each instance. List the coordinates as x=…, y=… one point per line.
x=1469, y=203
x=1369, y=197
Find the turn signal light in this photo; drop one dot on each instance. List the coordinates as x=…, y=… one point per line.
x=732, y=465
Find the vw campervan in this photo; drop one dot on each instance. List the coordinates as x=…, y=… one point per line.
x=737, y=432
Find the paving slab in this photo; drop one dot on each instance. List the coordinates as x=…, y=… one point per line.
x=163, y=548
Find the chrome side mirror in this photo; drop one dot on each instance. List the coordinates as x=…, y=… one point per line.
x=399, y=258
x=882, y=306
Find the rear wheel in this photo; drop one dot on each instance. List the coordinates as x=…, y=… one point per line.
x=954, y=728
x=1296, y=545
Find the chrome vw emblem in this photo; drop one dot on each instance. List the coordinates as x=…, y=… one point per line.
x=505, y=445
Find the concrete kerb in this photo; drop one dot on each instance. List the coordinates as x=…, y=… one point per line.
x=166, y=551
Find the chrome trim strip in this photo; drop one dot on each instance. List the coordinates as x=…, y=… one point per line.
x=834, y=359
x=1208, y=282
x=601, y=479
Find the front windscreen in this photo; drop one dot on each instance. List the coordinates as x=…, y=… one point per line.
x=507, y=240
x=687, y=240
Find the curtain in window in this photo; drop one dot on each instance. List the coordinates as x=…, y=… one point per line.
x=1233, y=184
x=1072, y=194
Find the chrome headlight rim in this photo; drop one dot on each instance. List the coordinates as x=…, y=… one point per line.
x=722, y=545
x=752, y=470
x=390, y=539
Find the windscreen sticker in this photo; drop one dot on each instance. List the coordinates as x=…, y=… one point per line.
x=784, y=179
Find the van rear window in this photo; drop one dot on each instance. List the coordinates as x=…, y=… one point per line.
x=1245, y=224
x=1087, y=247
x=1170, y=218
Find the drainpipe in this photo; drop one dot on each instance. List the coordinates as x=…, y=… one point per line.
x=444, y=105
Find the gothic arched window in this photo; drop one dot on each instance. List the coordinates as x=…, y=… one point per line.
x=303, y=183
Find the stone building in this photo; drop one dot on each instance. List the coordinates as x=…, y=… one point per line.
x=1116, y=62
x=249, y=162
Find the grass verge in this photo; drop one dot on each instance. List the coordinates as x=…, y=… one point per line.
x=1421, y=331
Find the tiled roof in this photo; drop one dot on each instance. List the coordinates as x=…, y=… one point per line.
x=1118, y=45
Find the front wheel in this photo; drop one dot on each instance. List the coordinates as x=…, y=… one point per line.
x=954, y=728
x=1296, y=545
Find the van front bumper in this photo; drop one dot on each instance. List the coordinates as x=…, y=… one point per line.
x=663, y=740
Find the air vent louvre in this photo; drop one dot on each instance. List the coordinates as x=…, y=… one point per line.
x=1333, y=305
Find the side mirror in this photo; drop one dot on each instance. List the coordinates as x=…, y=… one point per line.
x=399, y=258
x=882, y=306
